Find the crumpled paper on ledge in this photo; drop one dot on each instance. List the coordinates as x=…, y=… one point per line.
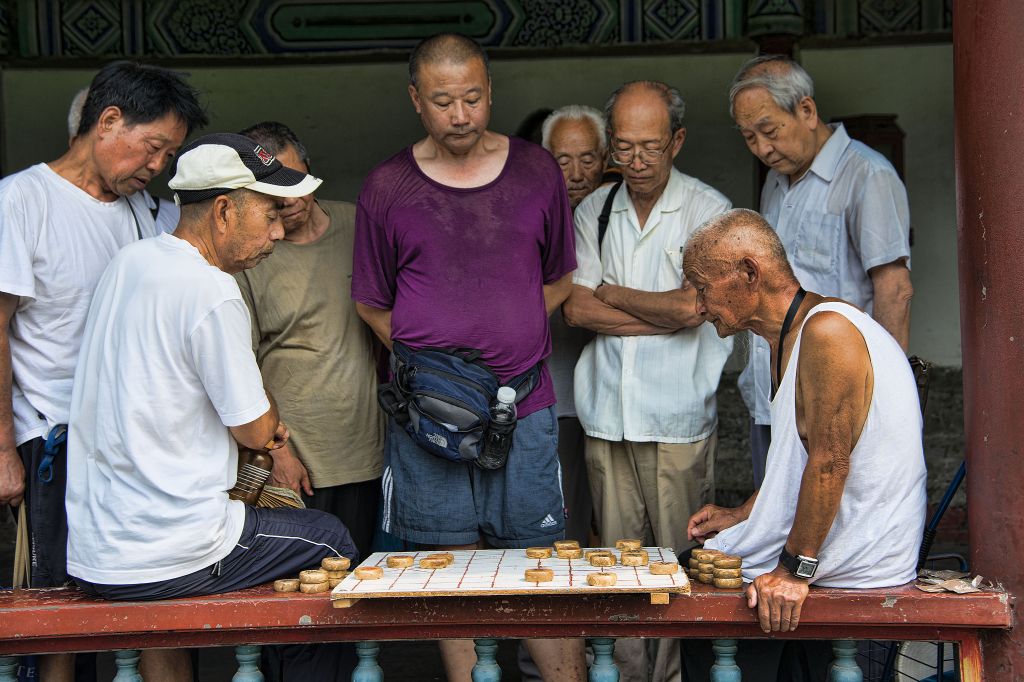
x=954, y=581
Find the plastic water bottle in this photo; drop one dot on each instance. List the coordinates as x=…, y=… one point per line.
x=498, y=440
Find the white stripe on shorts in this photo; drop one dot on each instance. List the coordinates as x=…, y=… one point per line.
x=387, y=484
x=293, y=537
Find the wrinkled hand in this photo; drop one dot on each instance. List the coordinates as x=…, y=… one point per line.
x=709, y=520
x=606, y=293
x=12, y=478
x=289, y=472
x=778, y=596
x=281, y=436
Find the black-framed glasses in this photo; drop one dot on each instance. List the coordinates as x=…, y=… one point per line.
x=649, y=157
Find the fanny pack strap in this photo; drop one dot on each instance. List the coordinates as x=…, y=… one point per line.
x=525, y=382
x=522, y=383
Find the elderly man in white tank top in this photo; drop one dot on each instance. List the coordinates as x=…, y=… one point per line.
x=843, y=501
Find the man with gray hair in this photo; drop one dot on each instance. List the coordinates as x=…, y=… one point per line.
x=843, y=501
x=575, y=135
x=838, y=206
x=645, y=386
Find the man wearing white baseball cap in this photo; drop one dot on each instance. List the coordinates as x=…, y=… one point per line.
x=167, y=385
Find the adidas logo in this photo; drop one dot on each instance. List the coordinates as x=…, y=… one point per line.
x=548, y=522
x=438, y=440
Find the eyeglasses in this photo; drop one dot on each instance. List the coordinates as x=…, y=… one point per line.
x=648, y=157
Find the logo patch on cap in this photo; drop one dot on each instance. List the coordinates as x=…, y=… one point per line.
x=266, y=157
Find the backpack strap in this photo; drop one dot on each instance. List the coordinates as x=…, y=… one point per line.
x=606, y=212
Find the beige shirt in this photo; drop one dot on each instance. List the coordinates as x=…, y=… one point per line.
x=316, y=354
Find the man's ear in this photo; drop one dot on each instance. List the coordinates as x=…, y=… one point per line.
x=107, y=120
x=750, y=271
x=677, y=142
x=807, y=112
x=414, y=95
x=223, y=209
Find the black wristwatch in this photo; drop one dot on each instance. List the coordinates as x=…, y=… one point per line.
x=800, y=566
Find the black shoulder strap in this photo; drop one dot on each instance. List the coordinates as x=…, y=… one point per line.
x=606, y=212
x=156, y=208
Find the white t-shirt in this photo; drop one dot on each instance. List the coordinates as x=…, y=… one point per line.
x=167, y=212
x=658, y=388
x=166, y=367
x=55, y=241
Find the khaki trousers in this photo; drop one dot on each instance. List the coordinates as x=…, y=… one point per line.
x=649, y=491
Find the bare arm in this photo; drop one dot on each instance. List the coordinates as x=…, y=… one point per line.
x=265, y=432
x=712, y=519
x=893, y=292
x=830, y=417
x=583, y=309
x=675, y=309
x=556, y=293
x=12, y=472
x=379, y=320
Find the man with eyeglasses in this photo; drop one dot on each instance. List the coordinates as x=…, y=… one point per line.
x=645, y=386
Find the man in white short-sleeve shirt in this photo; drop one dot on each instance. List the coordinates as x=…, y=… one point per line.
x=166, y=389
x=60, y=224
x=645, y=386
x=838, y=206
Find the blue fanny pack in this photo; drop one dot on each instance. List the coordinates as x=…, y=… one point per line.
x=442, y=398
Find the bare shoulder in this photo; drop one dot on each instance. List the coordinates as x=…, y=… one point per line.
x=830, y=340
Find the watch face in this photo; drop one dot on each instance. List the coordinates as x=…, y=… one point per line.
x=806, y=569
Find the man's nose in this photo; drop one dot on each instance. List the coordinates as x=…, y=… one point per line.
x=576, y=170
x=764, y=148
x=156, y=162
x=459, y=114
x=277, y=230
x=288, y=202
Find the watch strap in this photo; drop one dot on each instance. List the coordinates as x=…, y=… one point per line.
x=792, y=563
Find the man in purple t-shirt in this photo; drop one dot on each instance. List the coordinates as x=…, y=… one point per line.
x=465, y=239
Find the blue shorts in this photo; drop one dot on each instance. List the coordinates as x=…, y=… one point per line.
x=431, y=501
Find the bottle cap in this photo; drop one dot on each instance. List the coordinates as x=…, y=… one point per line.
x=507, y=395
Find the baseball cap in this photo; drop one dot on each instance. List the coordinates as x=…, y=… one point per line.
x=219, y=163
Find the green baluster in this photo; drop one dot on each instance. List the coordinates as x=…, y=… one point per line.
x=486, y=668
x=367, y=670
x=248, y=657
x=604, y=668
x=127, y=662
x=844, y=667
x=725, y=668
x=8, y=669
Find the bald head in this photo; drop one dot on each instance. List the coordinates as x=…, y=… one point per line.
x=674, y=104
x=723, y=242
x=445, y=48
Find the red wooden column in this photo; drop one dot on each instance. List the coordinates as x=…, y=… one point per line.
x=989, y=96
